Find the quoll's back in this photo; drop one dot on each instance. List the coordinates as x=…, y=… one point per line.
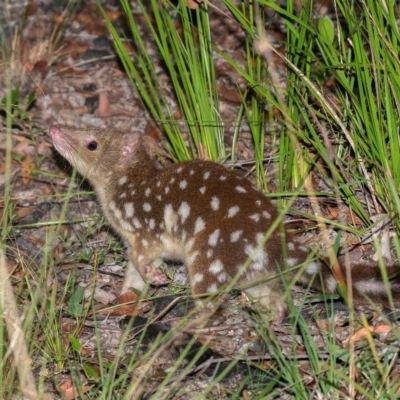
x=208, y=217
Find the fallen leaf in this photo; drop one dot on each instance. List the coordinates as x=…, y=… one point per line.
x=70, y=392
x=365, y=332
x=73, y=48
x=125, y=304
x=104, y=105
x=24, y=147
x=27, y=165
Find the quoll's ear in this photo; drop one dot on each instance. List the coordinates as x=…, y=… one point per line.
x=130, y=144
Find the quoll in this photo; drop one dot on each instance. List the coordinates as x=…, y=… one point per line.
x=199, y=212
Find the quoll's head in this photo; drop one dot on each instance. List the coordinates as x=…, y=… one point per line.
x=94, y=153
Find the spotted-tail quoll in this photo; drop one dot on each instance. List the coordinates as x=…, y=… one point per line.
x=199, y=212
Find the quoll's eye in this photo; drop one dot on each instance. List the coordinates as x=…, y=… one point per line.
x=92, y=146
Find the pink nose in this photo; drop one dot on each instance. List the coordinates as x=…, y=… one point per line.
x=54, y=131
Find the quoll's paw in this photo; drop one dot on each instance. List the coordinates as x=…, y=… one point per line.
x=269, y=300
x=154, y=276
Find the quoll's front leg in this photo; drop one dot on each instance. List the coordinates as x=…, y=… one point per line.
x=270, y=299
x=133, y=279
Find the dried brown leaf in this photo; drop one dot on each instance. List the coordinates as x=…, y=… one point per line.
x=125, y=304
x=70, y=392
x=27, y=165
x=104, y=105
x=365, y=332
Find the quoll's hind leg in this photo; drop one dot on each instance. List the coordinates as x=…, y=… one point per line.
x=209, y=272
x=206, y=273
x=268, y=296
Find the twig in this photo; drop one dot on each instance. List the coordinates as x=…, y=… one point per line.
x=17, y=346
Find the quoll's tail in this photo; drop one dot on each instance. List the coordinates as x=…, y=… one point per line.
x=367, y=280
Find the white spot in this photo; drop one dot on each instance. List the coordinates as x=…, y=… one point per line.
x=189, y=244
x=292, y=261
x=122, y=180
x=202, y=190
x=136, y=223
x=213, y=238
x=111, y=205
x=172, y=180
x=152, y=223
x=158, y=197
x=184, y=237
x=291, y=246
x=179, y=170
x=212, y=288
x=158, y=184
x=147, y=207
x=266, y=214
x=133, y=192
x=260, y=237
x=313, y=268
x=258, y=256
x=215, y=203
x=141, y=257
x=197, y=278
x=126, y=225
x=183, y=184
x=235, y=236
x=206, y=175
x=170, y=217
x=147, y=192
x=216, y=267
x=166, y=190
x=330, y=284
x=184, y=211
x=222, y=178
x=129, y=210
x=192, y=258
x=118, y=213
x=255, y=217
x=191, y=172
x=122, y=195
x=233, y=211
x=222, y=277
x=145, y=243
x=240, y=189
x=209, y=253
x=258, y=203
x=199, y=225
